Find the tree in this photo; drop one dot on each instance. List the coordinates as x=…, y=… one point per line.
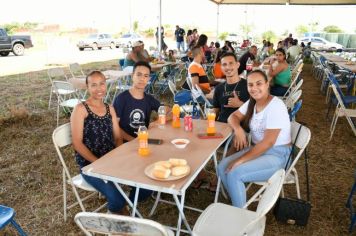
x=269, y=36
x=12, y=27
x=223, y=36
x=332, y=29
x=135, y=26
x=149, y=32
x=313, y=26
x=246, y=29
x=301, y=30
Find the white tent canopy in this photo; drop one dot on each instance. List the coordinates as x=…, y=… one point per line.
x=291, y=2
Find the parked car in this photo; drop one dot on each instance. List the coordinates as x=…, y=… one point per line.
x=321, y=43
x=15, y=43
x=97, y=41
x=128, y=39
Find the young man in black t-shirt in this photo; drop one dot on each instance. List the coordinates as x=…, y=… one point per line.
x=230, y=95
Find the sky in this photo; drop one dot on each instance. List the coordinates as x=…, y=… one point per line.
x=114, y=15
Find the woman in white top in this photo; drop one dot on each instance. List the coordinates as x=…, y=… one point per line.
x=266, y=118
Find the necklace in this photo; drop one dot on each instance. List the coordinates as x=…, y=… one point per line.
x=229, y=93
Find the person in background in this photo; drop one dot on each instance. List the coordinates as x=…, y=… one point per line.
x=135, y=55
x=245, y=43
x=95, y=132
x=251, y=53
x=288, y=41
x=307, y=50
x=228, y=47
x=293, y=51
x=188, y=38
x=198, y=74
x=266, y=118
x=195, y=35
x=144, y=52
x=163, y=44
x=217, y=71
x=171, y=57
x=202, y=43
x=212, y=47
x=179, y=36
x=216, y=51
x=270, y=50
x=281, y=74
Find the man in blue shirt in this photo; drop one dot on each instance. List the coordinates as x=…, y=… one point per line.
x=179, y=35
x=133, y=107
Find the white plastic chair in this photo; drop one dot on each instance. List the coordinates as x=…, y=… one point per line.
x=340, y=111
x=62, y=100
x=291, y=173
x=109, y=224
x=222, y=219
x=58, y=75
x=61, y=138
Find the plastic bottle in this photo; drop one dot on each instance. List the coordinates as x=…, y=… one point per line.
x=195, y=112
x=210, y=130
x=249, y=64
x=176, y=116
x=162, y=116
x=143, y=149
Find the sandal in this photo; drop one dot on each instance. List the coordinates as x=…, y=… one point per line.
x=212, y=186
x=197, y=183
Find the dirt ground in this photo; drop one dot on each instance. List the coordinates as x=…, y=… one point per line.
x=31, y=178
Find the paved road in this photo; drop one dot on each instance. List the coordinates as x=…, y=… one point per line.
x=38, y=60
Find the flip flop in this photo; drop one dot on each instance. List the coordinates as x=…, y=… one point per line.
x=198, y=183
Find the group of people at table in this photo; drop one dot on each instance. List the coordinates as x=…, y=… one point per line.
x=247, y=104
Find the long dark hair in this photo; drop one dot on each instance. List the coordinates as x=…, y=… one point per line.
x=281, y=50
x=252, y=102
x=202, y=40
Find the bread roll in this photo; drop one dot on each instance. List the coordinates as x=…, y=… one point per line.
x=165, y=164
x=161, y=173
x=178, y=162
x=180, y=170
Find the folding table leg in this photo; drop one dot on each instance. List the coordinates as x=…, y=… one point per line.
x=180, y=206
x=127, y=199
x=155, y=204
x=135, y=201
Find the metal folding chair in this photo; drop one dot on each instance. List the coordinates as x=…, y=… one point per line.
x=7, y=216
x=62, y=137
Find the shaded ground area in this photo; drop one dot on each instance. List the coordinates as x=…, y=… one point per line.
x=31, y=178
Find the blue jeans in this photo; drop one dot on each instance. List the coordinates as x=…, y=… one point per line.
x=256, y=170
x=179, y=45
x=115, y=200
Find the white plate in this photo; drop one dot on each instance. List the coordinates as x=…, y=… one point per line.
x=149, y=172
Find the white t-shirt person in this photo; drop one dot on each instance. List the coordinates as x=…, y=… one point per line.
x=273, y=116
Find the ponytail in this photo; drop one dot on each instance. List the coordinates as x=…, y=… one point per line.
x=249, y=114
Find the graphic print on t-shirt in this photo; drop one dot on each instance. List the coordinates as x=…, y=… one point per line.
x=137, y=118
x=257, y=126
